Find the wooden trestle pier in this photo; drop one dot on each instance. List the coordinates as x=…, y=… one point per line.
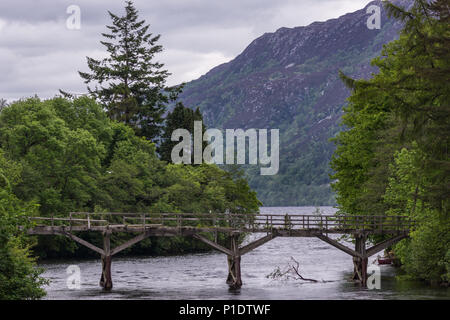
x=145, y=225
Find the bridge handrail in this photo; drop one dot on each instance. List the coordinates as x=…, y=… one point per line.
x=234, y=221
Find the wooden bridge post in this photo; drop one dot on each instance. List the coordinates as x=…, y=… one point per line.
x=360, y=264
x=106, y=279
x=234, y=265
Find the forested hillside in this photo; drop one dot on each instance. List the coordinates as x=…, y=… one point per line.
x=289, y=80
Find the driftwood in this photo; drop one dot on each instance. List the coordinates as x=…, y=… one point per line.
x=291, y=272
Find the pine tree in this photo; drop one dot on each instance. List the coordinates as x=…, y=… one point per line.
x=426, y=57
x=3, y=104
x=180, y=118
x=129, y=84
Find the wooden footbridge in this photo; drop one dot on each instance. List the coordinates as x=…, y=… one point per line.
x=205, y=227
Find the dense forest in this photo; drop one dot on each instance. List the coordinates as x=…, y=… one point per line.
x=394, y=157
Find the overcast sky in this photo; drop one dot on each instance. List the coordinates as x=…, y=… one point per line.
x=39, y=54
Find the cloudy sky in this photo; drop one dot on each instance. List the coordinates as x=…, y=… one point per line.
x=39, y=54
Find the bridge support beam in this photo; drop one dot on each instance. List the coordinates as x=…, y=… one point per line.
x=234, y=265
x=385, y=244
x=106, y=279
x=360, y=263
x=234, y=254
x=257, y=243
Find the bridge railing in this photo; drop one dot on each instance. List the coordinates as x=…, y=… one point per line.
x=56, y=221
x=249, y=222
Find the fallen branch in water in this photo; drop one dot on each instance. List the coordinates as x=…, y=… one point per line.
x=291, y=272
x=296, y=267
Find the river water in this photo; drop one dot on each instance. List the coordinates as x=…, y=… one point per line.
x=202, y=276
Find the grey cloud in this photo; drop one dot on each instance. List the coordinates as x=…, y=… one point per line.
x=39, y=54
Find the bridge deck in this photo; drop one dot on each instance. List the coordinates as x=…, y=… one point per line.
x=186, y=224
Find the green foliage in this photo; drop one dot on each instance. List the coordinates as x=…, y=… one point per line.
x=425, y=255
x=393, y=159
x=132, y=85
x=74, y=158
x=19, y=278
x=60, y=162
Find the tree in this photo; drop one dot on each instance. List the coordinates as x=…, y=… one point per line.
x=60, y=146
x=19, y=279
x=180, y=118
x=132, y=85
x=394, y=157
x=426, y=255
x=417, y=74
x=61, y=162
x=3, y=104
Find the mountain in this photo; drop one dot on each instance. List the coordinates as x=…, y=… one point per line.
x=288, y=80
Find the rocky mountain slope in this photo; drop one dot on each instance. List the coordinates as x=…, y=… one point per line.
x=289, y=80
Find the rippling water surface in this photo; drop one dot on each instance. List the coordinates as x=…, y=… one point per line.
x=202, y=276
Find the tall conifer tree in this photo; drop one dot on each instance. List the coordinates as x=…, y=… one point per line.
x=129, y=83
x=180, y=118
